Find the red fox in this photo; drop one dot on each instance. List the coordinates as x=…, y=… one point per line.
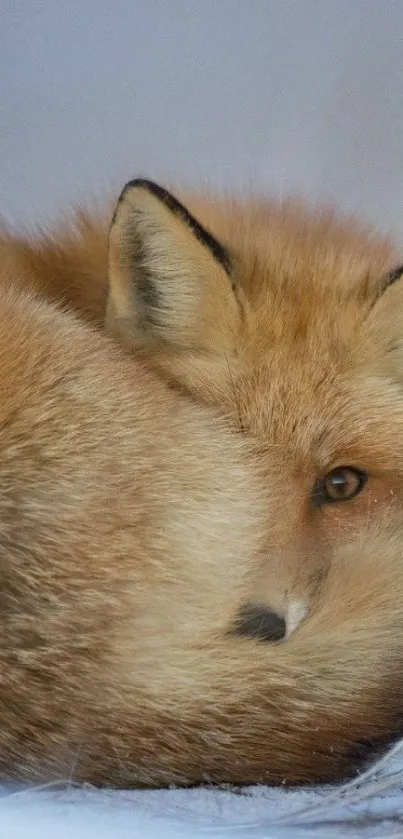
x=201, y=538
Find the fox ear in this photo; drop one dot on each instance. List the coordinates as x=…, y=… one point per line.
x=170, y=281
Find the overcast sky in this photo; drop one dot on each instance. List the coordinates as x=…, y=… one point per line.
x=287, y=95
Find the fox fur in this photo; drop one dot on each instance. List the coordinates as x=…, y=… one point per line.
x=151, y=493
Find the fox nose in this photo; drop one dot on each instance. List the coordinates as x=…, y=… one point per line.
x=258, y=621
x=255, y=620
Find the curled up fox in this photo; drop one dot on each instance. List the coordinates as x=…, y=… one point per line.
x=201, y=494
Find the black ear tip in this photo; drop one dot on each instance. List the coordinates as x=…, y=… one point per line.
x=140, y=184
x=146, y=184
x=220, y=253
x=393, y=276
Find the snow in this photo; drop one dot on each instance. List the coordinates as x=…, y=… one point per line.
x=369, y=807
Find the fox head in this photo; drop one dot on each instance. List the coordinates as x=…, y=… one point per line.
x=291, y=324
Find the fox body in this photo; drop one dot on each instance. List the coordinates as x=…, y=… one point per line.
x=234, y=467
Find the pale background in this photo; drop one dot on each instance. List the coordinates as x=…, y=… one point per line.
x=287, y=95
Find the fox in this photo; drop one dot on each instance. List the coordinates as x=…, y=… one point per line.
x=201, y=503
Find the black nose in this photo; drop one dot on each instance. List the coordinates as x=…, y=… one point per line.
x=257, y=621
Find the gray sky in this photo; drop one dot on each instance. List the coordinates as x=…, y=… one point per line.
x=288, y=95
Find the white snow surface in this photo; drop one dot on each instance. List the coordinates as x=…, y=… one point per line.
x=369, y=807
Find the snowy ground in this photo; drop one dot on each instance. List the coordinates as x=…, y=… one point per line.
x=370, y=807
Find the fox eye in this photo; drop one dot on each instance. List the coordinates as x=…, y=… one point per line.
x=341, y=484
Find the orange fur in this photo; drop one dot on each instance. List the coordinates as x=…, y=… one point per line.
x=135, y=523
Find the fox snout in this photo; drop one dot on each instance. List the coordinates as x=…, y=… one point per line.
x=258, y=621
